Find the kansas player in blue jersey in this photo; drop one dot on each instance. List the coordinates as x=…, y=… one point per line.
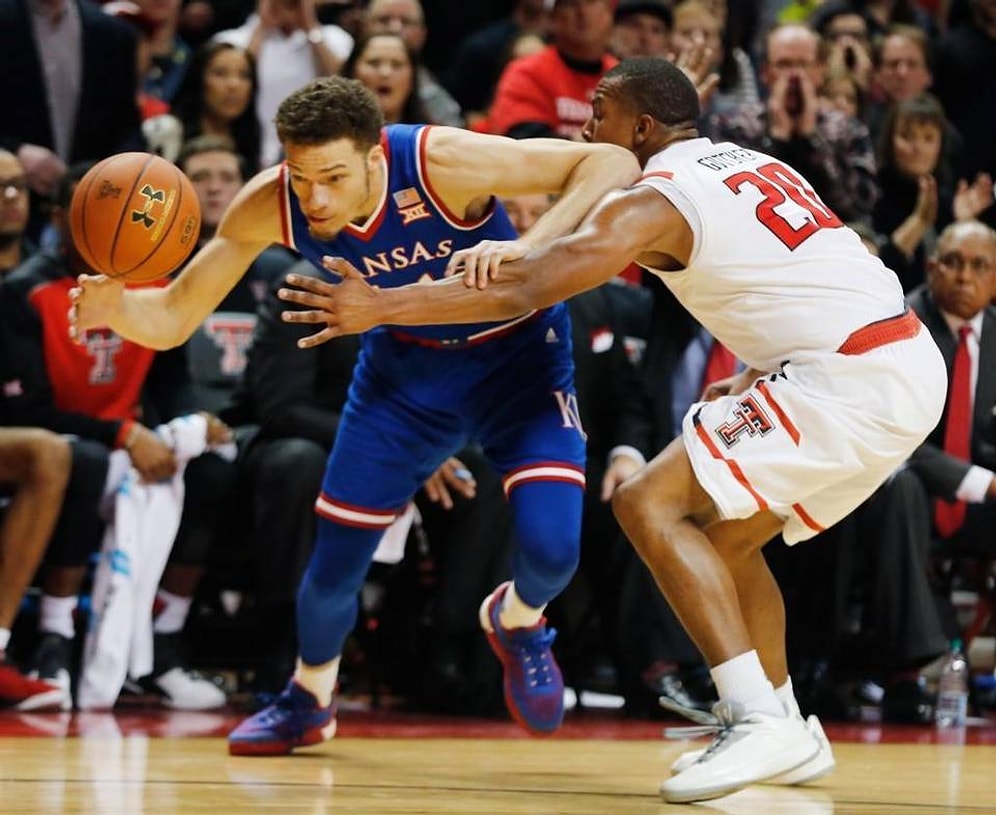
x=398, y=203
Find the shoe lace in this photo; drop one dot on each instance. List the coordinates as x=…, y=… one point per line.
x=537, y=659
x=719, y=724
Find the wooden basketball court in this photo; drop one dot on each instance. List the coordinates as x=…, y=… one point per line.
x=163, y=763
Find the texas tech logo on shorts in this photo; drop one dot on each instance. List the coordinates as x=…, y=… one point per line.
x=751, y=420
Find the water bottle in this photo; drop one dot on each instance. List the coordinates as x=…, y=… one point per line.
x=952, y=691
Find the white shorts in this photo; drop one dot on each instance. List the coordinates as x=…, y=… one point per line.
x=813, y=441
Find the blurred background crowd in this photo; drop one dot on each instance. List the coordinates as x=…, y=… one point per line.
x=885, y=106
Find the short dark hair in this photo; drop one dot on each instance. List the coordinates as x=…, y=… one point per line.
x=210, y=144
x=656, y=86
x=327, y=109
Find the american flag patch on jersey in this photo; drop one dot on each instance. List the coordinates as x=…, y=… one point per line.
x=407, y=198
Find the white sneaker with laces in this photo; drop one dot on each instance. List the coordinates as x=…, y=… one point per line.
x=748, y=747
x=186, y=690
x=820, y=765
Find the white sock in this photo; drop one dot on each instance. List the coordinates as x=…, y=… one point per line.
x=318, y=680
x=786, y=696
x=742, y=680
x=56, y=615
x=516, y=614
x=173, y=613
x=4, y=639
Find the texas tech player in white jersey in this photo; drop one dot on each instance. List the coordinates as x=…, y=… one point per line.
x=763, y=237
x=777, y=278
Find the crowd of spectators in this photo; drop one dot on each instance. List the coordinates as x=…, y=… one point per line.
x=875, y=102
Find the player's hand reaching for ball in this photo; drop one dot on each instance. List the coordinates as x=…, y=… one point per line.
x=92, y=302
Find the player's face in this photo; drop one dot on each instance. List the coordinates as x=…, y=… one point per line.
x=611, y=122
x=337, y=183
x=525, y=210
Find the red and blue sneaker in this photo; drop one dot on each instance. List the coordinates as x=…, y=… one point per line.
x=534, y=686
x=293, y=720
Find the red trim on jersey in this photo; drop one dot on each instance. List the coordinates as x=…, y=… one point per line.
x=659, y=174
x=285, y=220
x=367, y=231
x=437, y=202
x=793, y=431
x=738, y=473
x=882, y=332
x=807, y=519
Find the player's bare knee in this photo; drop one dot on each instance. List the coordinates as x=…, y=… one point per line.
x=51, y=458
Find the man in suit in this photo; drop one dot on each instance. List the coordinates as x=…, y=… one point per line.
x=943, y=501
x=68, y=81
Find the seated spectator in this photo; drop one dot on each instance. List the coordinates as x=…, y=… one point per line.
x=111, y=393
x=14, y=210
x=834, y=152
x=473, y=72
x=901, y=58
x=701, y=26
x=217, y=98
x=841, y=91
x=918, y=193
x=642, y=28
x=386, y=65
x=845, y=31
x=34, y=470
x=290, y=48
x=406, y=19
x=549, y=93
x=216, y=352
x=943, y=502
x=170, y=55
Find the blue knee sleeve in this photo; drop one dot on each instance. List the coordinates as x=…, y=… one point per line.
x=327, y=601
x=548, y=528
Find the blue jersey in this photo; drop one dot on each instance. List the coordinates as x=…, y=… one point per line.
x=410, y=236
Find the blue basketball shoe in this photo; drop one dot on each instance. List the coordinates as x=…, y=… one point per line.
x=293, y=720
x=534, y=686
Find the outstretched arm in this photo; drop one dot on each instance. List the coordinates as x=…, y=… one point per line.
x=164, y=317
x=626, y=225
x=461, y=164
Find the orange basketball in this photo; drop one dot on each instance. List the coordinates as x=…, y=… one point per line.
x=135, y=217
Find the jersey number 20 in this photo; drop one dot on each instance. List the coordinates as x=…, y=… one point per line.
x=776, y=183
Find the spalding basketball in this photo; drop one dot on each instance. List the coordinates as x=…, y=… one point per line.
x=135, y=217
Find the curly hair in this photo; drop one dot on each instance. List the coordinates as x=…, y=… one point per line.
x=655, y=86
x=328, y=109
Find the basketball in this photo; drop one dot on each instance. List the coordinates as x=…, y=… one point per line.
x=135, y=217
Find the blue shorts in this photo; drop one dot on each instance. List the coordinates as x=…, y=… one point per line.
x=410, y=407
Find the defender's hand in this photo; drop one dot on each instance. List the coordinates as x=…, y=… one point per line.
x=92, y=303
x=480, y=263
x=349, y=307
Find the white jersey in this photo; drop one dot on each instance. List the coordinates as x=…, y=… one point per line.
x=773, y=273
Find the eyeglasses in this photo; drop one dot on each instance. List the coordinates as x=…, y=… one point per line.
x=11, y=188
x=956, y=262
